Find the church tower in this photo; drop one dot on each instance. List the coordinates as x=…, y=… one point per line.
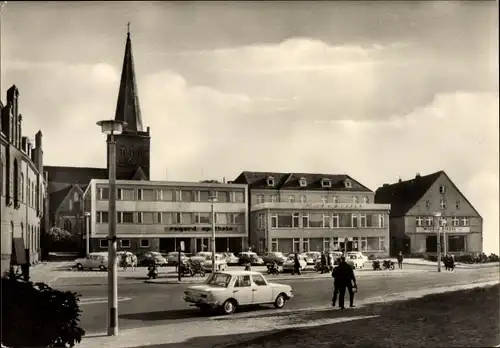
x=133, y=145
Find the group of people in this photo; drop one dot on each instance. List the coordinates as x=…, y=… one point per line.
x=128, y=260
x=343, y=279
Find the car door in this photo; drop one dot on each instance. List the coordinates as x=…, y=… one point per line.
x=242, y=290
x=262, y=293
x=87, y=262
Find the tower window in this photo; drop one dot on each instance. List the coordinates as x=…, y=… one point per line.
x=270, y=181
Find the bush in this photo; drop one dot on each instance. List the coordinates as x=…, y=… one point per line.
x=372, y=257
x=493, y=258
x=35, y=315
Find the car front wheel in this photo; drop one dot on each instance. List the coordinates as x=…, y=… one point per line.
x=280, y=301
x=79, y=267
x=228, y=307
x=102, y=268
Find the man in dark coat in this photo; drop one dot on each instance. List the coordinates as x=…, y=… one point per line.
x=296, y=265
x=323, y=262
x=336, y=283
x=344, y=279
x=400, y=260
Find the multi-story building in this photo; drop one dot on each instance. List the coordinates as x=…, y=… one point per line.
x=413, y=227
x=158, y=215
x=67, y=184
x=298, y=212
x=22, y=188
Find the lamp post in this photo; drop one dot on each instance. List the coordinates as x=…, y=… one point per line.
x=212, y=201
x=87, y=233
x=437, y=216
x=112, y=128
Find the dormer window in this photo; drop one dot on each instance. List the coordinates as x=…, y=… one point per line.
x=326, y=183
x=348, y=184
x=303, y=182
x=270, y=181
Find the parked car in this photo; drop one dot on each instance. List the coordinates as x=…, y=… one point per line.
x=250, y=257
x=200, y=256
x=289, y=264
x=231, y=259
x=98, y=260
x=309, y=259
x=274, y=256
x=314, y=255
x=130, y=256
x=228, y=290
x=355, y=260
x=363, y=256
x=173, y=258
x=152, y=258
x=220, y=263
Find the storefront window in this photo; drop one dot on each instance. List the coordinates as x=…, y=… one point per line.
x=456, y=243
x=373, y=243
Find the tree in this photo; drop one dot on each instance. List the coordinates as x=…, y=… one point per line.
x=56, y=234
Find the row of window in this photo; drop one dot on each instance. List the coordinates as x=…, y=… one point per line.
x=455, y=244
x=274, y=198
x=450, y=221
x=125, y=243
x=325, y=182
x=443, y=204
x=174, y=195
x=172, y=218
x=322, y=220
x=30, y=193
x=375, y=244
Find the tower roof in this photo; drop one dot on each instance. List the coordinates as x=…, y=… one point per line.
x=127, y=107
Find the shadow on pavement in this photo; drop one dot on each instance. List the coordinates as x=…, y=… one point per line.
x=189, y=313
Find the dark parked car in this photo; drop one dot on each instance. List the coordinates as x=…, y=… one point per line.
x=150, y=258
x=274, y=256
x=250, y=257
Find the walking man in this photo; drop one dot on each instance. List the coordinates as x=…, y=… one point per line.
x=346, y=280
x=296, y=265
x=336, y=283
x=323, y=262
x=400, y=260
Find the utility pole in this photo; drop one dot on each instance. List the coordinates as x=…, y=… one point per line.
x=437, y=224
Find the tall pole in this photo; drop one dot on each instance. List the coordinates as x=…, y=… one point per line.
x=87, y=232
x=112, y=270
x=438, y=244
x=213, y=236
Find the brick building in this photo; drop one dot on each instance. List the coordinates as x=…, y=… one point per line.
x=300, y=212
x=158, y=215
x=412, y=223
x=22, y=187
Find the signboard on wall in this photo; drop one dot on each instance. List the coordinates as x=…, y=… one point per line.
x=447, y=229
x=200, y=229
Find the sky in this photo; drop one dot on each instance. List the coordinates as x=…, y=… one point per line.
x=377, y=90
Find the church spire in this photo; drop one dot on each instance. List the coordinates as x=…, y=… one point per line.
x=127, y=107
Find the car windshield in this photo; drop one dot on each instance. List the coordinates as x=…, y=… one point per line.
x=219, y=279
x=217, y=257
x=230, y=255
x=352, y=257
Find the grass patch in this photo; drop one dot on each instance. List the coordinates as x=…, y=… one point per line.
x=468, y=318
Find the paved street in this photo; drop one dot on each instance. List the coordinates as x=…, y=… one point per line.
x=144, y=304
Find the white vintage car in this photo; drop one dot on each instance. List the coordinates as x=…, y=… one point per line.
x=363, y=256
x=227, y=290
x=200, y=256
x=355, y=260
x=220, y=263
x=290, y=262
x=92, y=261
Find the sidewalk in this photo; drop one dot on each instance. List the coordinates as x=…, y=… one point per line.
x=423, y=262
x=182, y=335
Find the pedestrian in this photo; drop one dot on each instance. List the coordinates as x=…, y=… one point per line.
x=346, y=280
x=124, y=261
x=336, y=283
x=400, y=260
x=323, y=262
x=296, y=264
x=134, y=262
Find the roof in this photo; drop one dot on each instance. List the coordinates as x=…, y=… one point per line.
x=75, y=175
x=291, y=181
x=404, y=195
x=127, y=105
x=239, y=272
x=56, y=198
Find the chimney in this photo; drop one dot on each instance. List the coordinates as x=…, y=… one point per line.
x=24, y=145
x=38, y=151
x=385, y=185
x=400, y=180
x=417, y=176
x=223, y=179
x=19, y=129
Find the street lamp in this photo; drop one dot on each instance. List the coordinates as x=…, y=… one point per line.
x=212, y=201
x=112, y=128
x=87, y=233
x=437, y=216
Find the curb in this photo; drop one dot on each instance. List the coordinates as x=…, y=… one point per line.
x=306, y=277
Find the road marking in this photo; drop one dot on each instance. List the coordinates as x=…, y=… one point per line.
x=93, y=300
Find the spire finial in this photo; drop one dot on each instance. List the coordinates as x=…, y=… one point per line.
x=128, y=29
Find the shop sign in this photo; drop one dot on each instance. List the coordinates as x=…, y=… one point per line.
x=200, y=229
x=447, y=229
